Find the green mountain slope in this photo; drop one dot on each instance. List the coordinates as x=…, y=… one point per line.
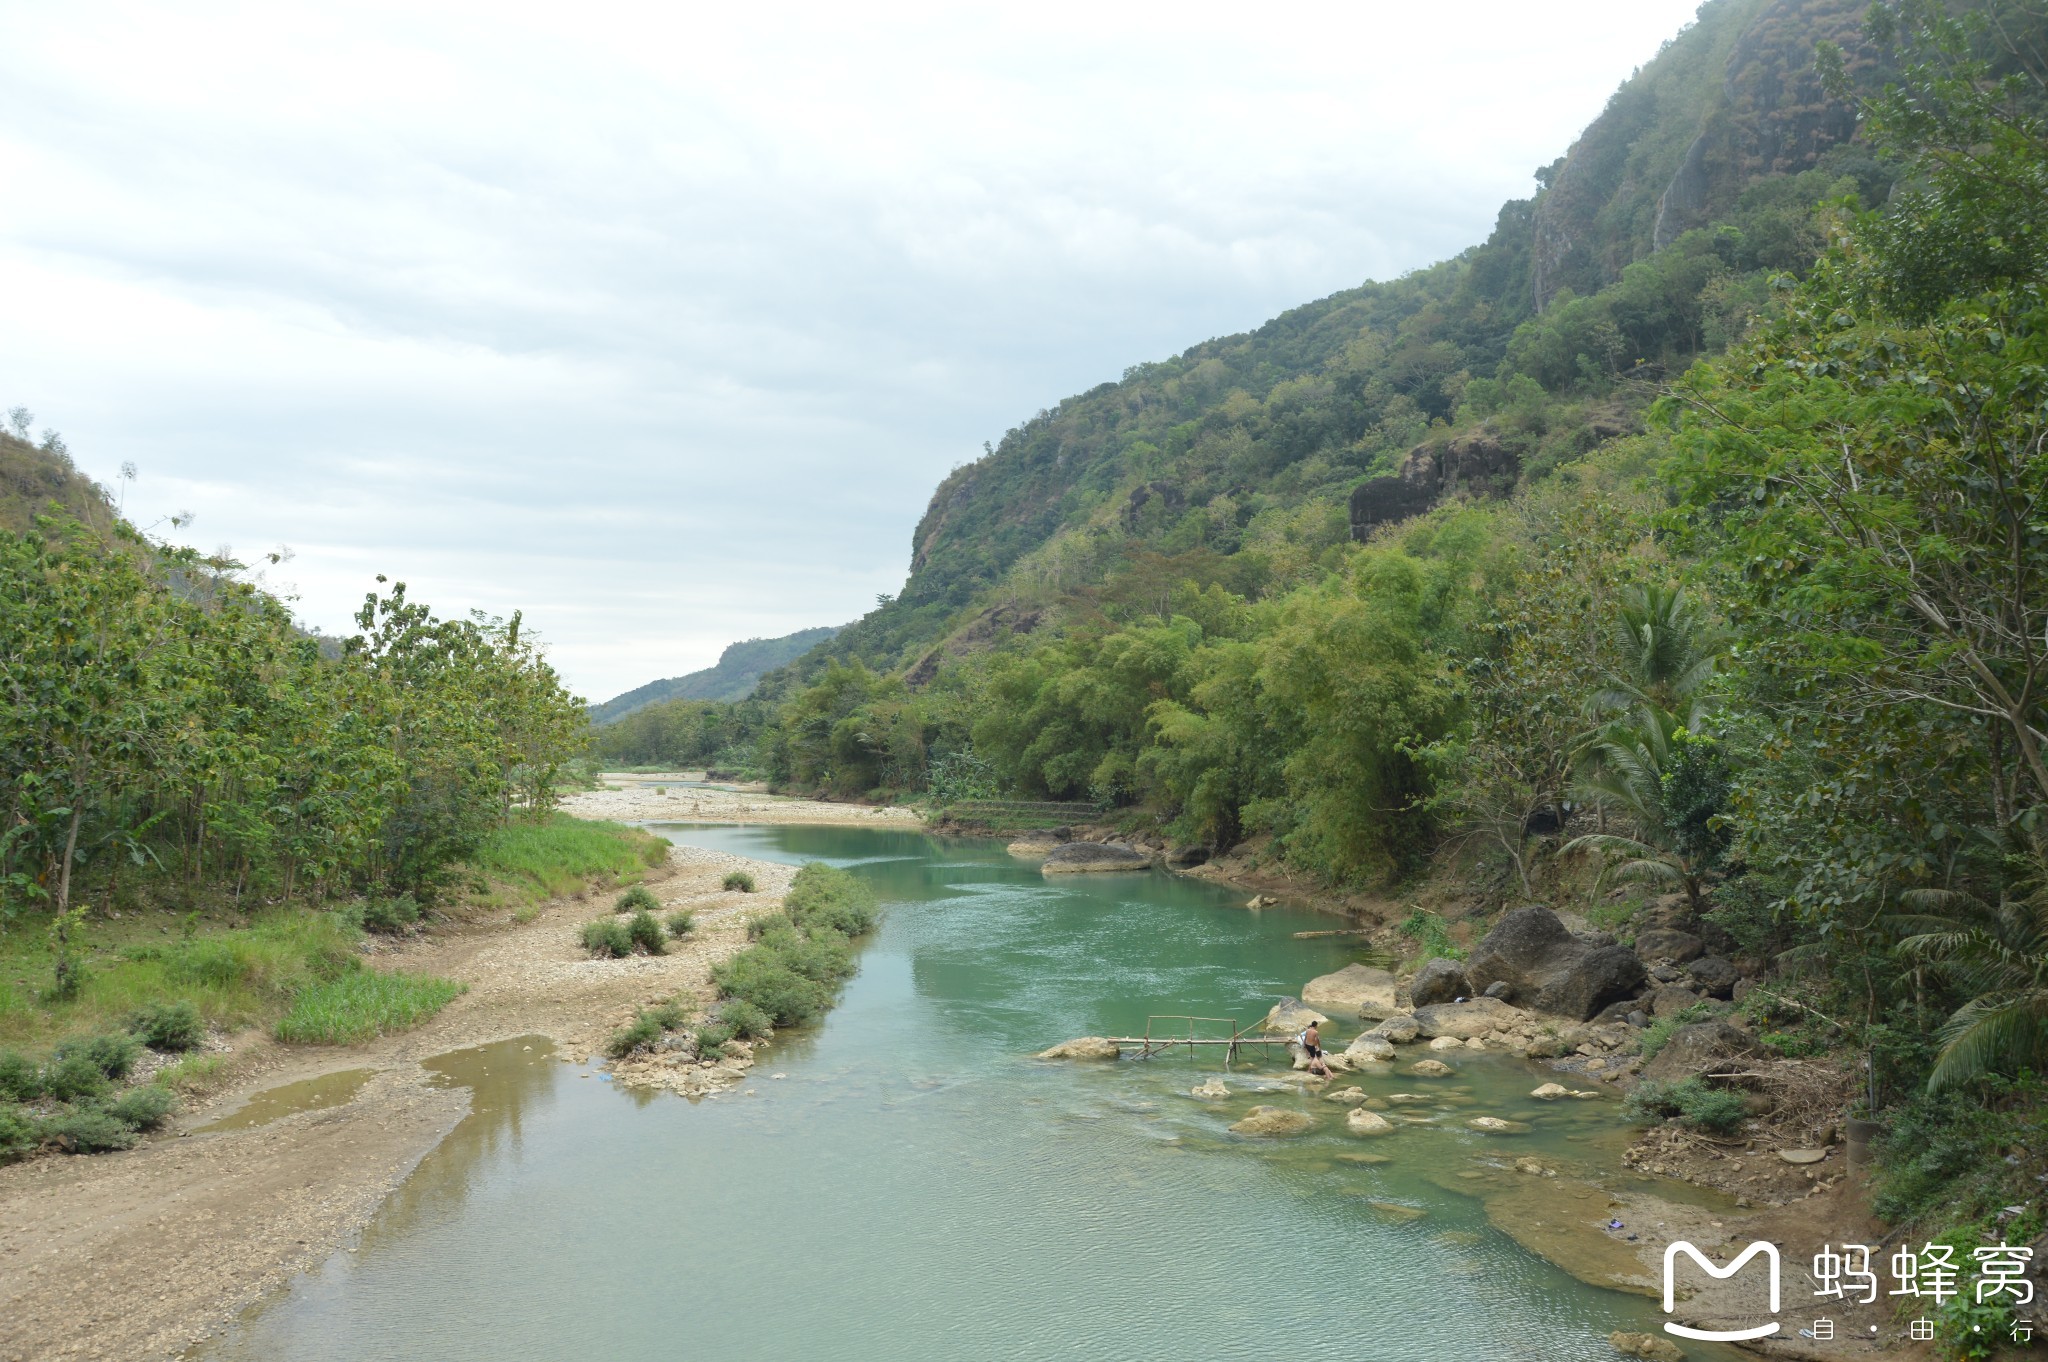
x=1236, y=461
x=739, y=667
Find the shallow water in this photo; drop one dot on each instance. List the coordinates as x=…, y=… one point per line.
x=288, y=1099
x=916, y=1188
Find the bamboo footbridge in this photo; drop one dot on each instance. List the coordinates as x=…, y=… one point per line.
x=1159, y=1040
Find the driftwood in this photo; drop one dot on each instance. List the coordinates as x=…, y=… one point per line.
x=1346, y=931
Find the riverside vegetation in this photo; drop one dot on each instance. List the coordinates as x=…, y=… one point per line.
x=1685, y=536
x=204, y=809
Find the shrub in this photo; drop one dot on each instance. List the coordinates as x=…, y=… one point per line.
x=711, y=1039
x=638, y=899
x=761, y=977
x=74, y=1078
x=745, y=1019
x=90, y=1130
x=114, y=1053
x=144, y=1108
x=171, y=1027
x=758, y=927
x=740, y=881
x=364, y=1003
x=825, y=896
x=20, y=1081
x=391, y=916
x=20, y=1133
x=1718, y=1111
x=639, y=1035
x=680, y=922
x=646, y=933
x=607, y=939
x=648, y=1026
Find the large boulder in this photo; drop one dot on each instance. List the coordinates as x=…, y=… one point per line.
x=1271, y=1122
x=1693, y=1050
x=1669, y=1000
x=1552, y=970
x=1400, y=1030
x=1369, y=1049
x=1087, y=1047
x=1466, y=1021
x=1078, y=858
x=1354, y=991
x=1665, y=943
x=1439, y=981
x=1289, y=1016
x=1714, y=976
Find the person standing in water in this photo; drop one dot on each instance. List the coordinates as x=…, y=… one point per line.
x=1312, y=1046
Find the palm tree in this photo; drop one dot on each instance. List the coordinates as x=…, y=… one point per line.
x=1632, y=758
x=1998, y=955
x=1668, y=649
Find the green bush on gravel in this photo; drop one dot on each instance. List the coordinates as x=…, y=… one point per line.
x=20, y=1133
x=90, y=1130
x=680, y=922
x=170, y=1027
x=638, y=899
x=739, y=881
x=74, y=1078
x=645, y=933
x=607, y=939
x=144, y=1108
x=20, y=1079
x=113, y=1054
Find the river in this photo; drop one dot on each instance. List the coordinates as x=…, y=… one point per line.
x=904, y=1183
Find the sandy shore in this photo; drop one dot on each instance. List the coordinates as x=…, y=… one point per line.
x=632, y=799
x=137, y=1255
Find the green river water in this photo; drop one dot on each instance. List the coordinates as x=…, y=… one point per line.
x=916, y=1188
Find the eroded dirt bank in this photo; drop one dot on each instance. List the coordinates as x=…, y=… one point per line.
x=136, y=1255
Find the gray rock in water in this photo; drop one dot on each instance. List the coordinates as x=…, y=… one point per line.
x=1290, y=1015
x=1715, y=976
x=1439, y=981
x=1270, y=1122
x=1663, y=943
x=1401, y=1030
x=1076, y=858
x=1369, y=1049
x=1087, y=1047
x=1354, y=991
x=1550, y=969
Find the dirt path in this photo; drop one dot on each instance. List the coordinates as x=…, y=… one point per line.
x=635, y=800
x=137, y=1255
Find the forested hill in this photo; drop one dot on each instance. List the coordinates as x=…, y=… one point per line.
x=1698, y=180
x=738, y=668
x=37, y=479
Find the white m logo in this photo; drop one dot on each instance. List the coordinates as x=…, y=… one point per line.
x=1769, y=1251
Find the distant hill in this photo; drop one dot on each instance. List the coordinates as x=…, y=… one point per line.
x=739, y=667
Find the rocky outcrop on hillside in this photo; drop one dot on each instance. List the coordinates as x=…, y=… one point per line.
x=1479, y=463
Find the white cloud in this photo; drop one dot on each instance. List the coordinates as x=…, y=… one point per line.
x=660, y=322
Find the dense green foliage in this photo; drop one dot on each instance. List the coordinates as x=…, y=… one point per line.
x=801, y=954
x=167, y=729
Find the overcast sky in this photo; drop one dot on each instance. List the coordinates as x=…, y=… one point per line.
x=661, y=322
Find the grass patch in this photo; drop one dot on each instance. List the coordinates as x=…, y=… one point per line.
x=363, y=1003
x=194, y=1073
x=557, y=855
x=649, y=1025
x=231, y=977
x=740, y=882
x=1431, y=935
